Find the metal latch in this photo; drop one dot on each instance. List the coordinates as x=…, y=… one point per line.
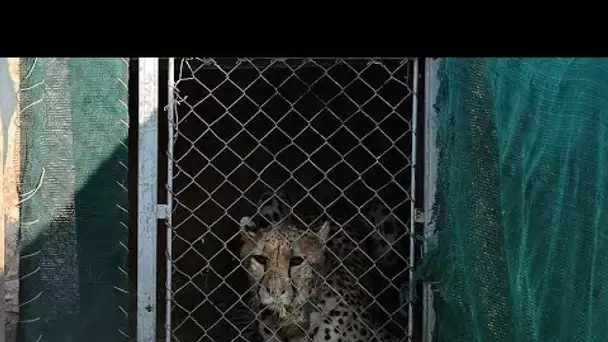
x=161, y=211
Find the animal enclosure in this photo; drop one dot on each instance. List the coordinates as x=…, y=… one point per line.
x=336, y=137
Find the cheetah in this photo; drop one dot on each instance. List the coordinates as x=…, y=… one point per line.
x=305, y=282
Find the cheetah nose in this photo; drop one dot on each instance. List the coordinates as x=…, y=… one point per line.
x=280, y=293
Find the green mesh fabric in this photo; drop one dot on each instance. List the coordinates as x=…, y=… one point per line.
x=74, y=236
x=521, y=203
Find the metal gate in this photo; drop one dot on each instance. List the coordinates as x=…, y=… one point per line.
x=332, y=139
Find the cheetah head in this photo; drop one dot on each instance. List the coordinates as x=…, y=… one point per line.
x=285, y=262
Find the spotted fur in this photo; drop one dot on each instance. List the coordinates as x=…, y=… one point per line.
x=320, y=295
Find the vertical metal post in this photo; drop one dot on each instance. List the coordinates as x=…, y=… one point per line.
x=430, y=178
x=169, y=210
x=147, y=197
x=412, y=260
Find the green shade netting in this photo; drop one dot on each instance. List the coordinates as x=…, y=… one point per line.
x=521, y=205
x=74, y=237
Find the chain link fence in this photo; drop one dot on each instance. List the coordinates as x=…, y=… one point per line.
x=335, y=136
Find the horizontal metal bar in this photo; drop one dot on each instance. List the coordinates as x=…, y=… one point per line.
x=281, y=63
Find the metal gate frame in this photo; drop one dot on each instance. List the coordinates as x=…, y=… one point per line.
x=147, y=197
x=430, y=178
x=149, y=211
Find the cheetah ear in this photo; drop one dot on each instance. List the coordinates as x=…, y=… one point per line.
x=323, y=232
x=248, y=227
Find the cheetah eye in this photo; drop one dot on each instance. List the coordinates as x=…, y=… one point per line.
x=295, y=261
x=260, y=259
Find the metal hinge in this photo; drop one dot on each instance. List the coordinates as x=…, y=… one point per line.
x=161, y=211
x=419, y=215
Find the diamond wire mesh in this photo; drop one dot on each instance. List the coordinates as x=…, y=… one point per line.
x=334, y=135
